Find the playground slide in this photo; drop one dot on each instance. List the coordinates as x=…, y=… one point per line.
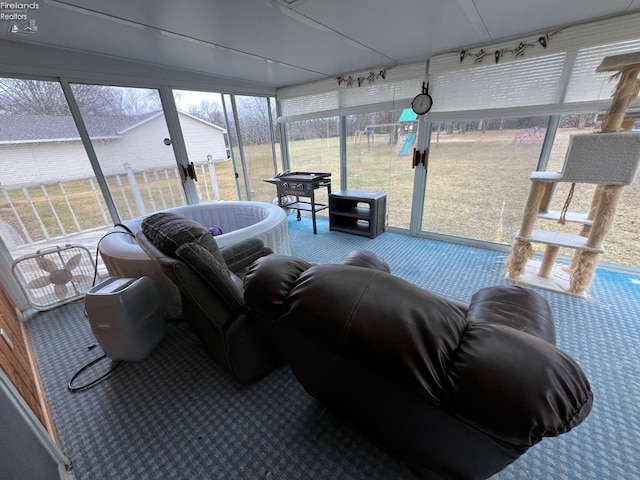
x=407, y=145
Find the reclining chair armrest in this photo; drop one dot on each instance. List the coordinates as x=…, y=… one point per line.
x=243, y=253
x=366, y=259
x=516, y=307
x=268, y=283
x=514, y=386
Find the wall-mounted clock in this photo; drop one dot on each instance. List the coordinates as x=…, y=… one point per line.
x=423, y=102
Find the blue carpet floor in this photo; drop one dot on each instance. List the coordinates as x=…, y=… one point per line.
x=177, y=415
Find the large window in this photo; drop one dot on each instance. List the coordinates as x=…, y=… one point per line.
x=621, y=244
x=372, y=107
x=562, y=77
x=314, y=146
x=131, y=140
x=66, y=178
x=255, y=127
x=47, y=186
x=478, y=178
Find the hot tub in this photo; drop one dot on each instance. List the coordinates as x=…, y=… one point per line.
x=237, y=220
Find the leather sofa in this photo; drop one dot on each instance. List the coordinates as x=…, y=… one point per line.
x=457, y=390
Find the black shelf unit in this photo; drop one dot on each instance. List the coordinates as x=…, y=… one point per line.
x=359, y=213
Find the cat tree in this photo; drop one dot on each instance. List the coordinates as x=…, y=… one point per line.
x=609, y=159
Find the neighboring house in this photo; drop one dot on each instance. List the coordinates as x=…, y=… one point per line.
x=41, y=148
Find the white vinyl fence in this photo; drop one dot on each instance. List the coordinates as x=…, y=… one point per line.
x=48, y=212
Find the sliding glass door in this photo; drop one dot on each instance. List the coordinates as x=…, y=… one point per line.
x=379, y=159
x=204, y=130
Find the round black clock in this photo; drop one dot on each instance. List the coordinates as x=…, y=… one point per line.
x=422, y=103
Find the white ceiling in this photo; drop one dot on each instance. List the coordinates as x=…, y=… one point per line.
x=285, y=42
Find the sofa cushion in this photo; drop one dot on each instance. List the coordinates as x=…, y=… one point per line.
x=371, y=318
x=268, y=282
x=215, y=275
x=240, y=255
x=168, y=231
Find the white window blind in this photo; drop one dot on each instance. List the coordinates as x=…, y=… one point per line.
x=558, y=79
x=535, y=81
x=586, y=84
x=326, y=98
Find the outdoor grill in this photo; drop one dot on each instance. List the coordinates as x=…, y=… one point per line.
x=301, y=184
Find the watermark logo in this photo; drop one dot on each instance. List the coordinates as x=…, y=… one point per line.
x=18, y=16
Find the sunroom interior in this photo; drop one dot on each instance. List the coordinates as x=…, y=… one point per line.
x=120, y=111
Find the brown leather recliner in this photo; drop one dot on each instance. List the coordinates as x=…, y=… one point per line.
x=458, y=391
x=210, y=283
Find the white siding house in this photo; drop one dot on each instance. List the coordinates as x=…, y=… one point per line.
x=52, y=150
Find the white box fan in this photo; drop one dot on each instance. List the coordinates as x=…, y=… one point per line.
x=54, y=276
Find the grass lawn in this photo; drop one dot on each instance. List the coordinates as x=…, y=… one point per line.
x=477, y=186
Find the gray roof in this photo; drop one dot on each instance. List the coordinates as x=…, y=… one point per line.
x=49, y=128
x=30, y=128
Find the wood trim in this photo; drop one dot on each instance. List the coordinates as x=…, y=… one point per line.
x=19, y=363
x=47, y=417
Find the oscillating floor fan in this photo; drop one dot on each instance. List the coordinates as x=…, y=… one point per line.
x=54, y=276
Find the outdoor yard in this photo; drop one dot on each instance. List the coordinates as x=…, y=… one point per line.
x=477, y=187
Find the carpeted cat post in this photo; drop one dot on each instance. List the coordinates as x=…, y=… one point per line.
x=627, y=69
x=606, y=197
x=608, y=159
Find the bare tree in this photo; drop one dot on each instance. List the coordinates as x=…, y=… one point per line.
x=21, y=97
x=37, y=97
x=253, y=114
x=138, y=101
x=209, y=112
x=97, y=99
